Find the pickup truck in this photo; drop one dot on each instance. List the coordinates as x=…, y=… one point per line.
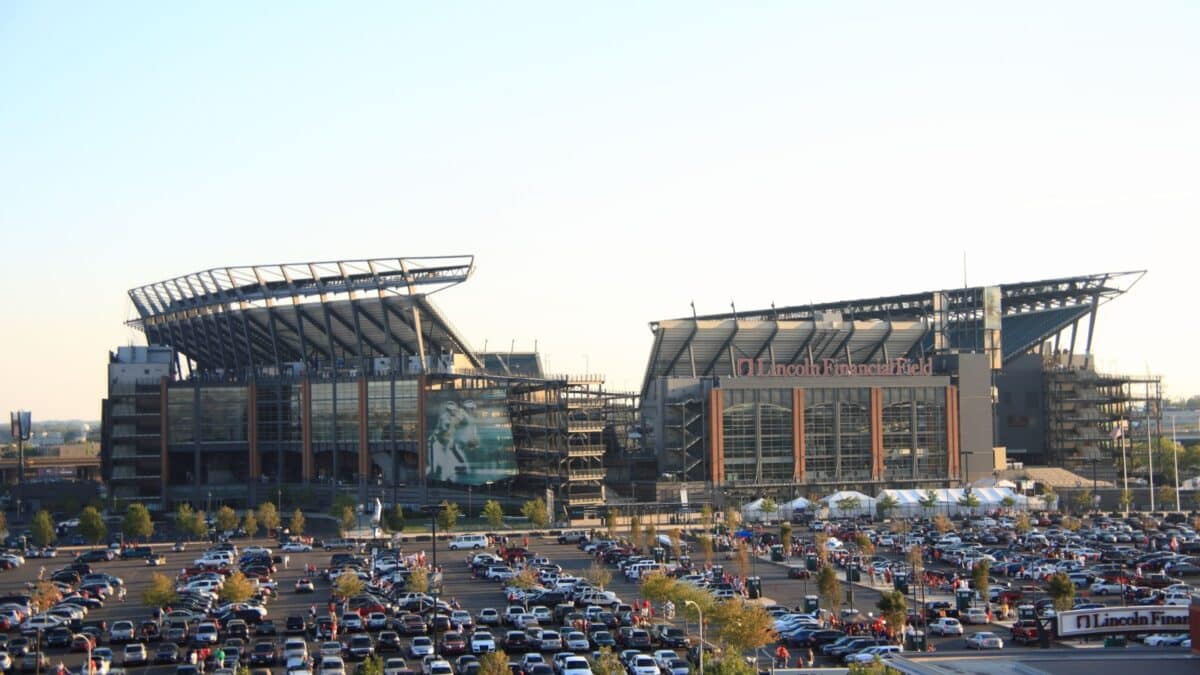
x=1025, y=632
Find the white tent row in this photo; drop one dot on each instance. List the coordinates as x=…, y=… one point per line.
x=753, y=512
x=908, y=502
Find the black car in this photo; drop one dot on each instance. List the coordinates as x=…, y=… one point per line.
x=134, y=552
x=95, y=555
x=265, y=628
x=671, y=637
x=516, y=641
x=603, y=638
x=263, y=653
x=360, y=648
x=295, y=625
x=57, y=637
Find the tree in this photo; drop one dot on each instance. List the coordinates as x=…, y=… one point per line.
x=373, y=665
x=137, y=523
x=1008, y=503
x=227, y=519
x=496, y=663
x=418, y=580
x=3, y=523
x=535, y=511
x=886, y=504
x=785, y=535
x=237, y=588
x=769, y=508
x=706, y=515
x=526, y=579
x=942, y=524
x=916, y=559
x=1050, y=497
x=733, y=517
x=741, y=626
x=42, y=529
x=706, y=547
x=345, y=519
x=864, y=544
x=1195, y=500
x=1083, y=500
x=189, y=522
x=1126, y=499
x=635, y=530
x=348, y=585
x=651, y=537
x=598, y=575
x=893, y=607
x=447, y=516
x=268, y=517
x=395, y=518
x=929, y=502
x=296, y=526
x=821, y=543
x=742, y=558
x=44, y=595
x=160, y=592
x=658, y=587
x=250, y=524
x=92, y=526
x=604, y=663
x=979, y=575
x=493, y=513
x=1166, y=497
x=969, y=501
x=1062, y=589
x=830, y=588
x=849, y=504
x=610, y=522
x=676, y=538
x=1021, y=525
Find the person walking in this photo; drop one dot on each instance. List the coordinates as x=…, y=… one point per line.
x=781, y=656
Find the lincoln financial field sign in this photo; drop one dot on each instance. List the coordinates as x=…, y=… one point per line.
x=832, y=368
x=1122, y=620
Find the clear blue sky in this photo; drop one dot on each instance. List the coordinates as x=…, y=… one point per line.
x=607, y=163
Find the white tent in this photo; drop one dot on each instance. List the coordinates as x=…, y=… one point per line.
x=753, y=512
x=865, y=505
x=797, y=504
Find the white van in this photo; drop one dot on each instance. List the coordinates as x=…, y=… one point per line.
x=475, y=541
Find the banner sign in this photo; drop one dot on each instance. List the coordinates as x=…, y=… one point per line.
x=470, y=436
x=1123, y=620
x=832, y=368
x=22, y=425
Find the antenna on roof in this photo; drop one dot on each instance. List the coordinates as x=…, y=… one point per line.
x=734, y=308
x=693, y=304
x=964, y=268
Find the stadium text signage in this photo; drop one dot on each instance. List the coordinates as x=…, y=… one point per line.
x=832, y=368
x=1122, y=620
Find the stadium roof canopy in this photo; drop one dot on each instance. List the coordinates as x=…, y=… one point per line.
x=878, y=329
x=336, y=313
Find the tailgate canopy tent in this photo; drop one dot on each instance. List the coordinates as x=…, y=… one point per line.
x=908, y=502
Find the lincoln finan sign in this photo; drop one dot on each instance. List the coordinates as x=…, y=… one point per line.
x=832, y=368
x=1122, y=620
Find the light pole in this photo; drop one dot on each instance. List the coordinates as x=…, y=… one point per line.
x=468, y=501
x=700, y=615
x=433, y=510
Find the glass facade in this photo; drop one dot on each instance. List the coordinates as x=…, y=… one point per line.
x=838, y=434
x=758, y=438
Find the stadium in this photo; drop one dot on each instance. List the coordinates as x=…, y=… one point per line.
x=300, y=382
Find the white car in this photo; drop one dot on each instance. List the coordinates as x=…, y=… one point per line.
x=394, y=665
x=295, y=547
x=1106, y=587
x=946, y=626
x=43, y=622
x=663, y=657
x=975, y=615
x=421, y=646
x=1165, y=640
x=482, y=642
x=438, y=667
x=643, y=664
x=984, y=640
x=471, y=541
x=134, y=655
x=329, y=649
x=575, y=666
x=576, y=642
x=869, y=654
x=332, y=665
